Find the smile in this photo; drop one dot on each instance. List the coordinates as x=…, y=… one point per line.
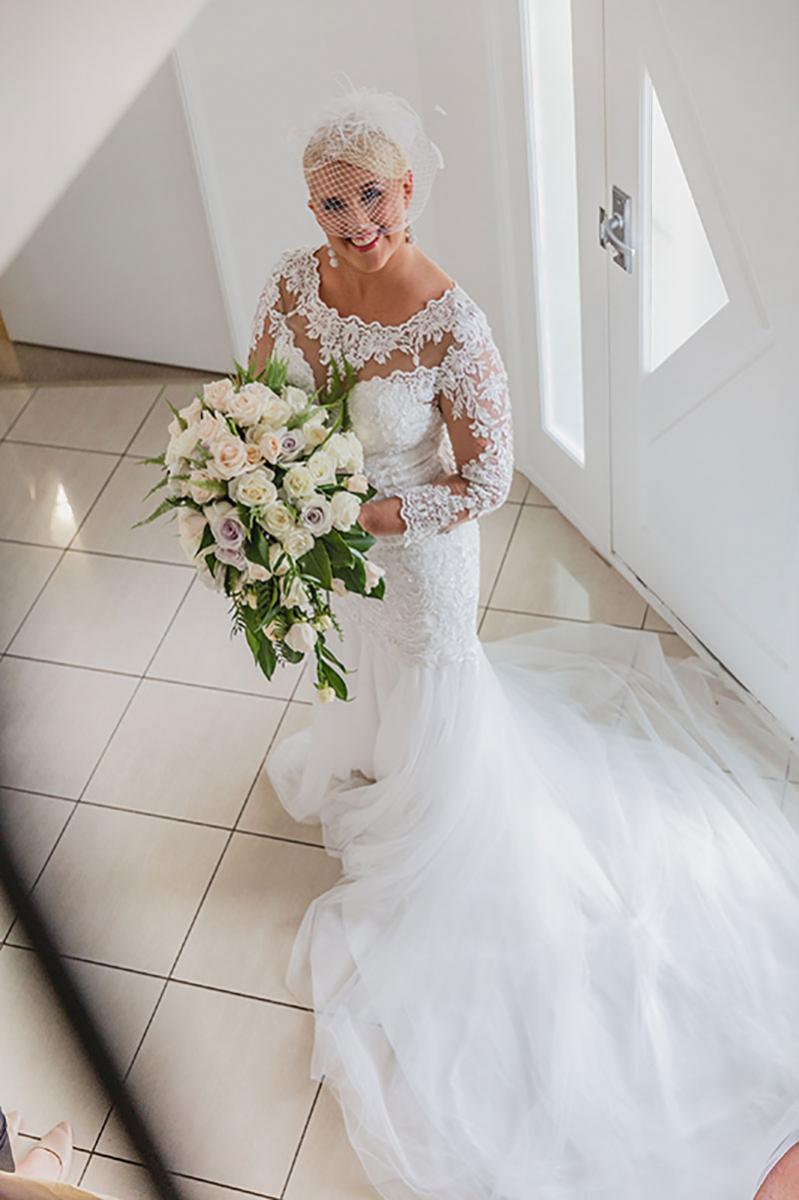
x=365, y=245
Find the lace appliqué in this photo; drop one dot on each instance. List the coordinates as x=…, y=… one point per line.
x=473, y=386
x=448, y=415
x=268, y=310
x=430, y=508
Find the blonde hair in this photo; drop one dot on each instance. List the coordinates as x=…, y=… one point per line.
x=369, y=148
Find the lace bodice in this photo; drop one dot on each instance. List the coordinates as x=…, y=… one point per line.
x=431, y=399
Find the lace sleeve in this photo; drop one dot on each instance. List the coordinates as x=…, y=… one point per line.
x=269, y=316
x=474, y=401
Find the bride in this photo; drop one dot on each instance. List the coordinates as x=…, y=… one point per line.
x=562, y=960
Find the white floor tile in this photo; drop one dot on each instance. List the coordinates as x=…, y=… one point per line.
x=152, y=438
x=186, y=752
x=31, y=825
x=55, y=722
x=93, y=417
x=46, y=493
x=790, y=804
x=244, y=931
x=536, y=496
x=12, y=402
x=122, y=889
x=518, y=489
x=236, y=1066
x=674, y=646
x=103, y=612
x=551, y=570
x=200, y=648
x=264, y=813
x=110, y=1177
x=44, y=1069
x=23, y=570
x=109, y=527
x=327, y=1167
x=506, y=624
x=495, y=532
x=653, y=620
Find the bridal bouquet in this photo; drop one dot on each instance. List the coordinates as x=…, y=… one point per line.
x=267, y=482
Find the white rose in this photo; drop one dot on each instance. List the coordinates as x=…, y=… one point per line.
x=356, y=449
x=192, y=412
x=338, y=586
x=254, y=454
x=202, y=489
x=296, y=398
x=181, y=445
x=247, y=406
x=346, y=450
x=322, y=468
x=256, y=573
x=214, y=583
x=358, y=483
x=298, y=482
x=314, y=433
x=325, y=694
x=301, y=637
x=217, y=394
x=276, y=518
x=374, y=574
x=211, y=427
x=230, y=456
x=298, y=542
x=272, y=631
x=296, y=594
x=338, y=449
x=276, y=554
x=276, y=412
x=345, y=508
x=191, y=525
x=255, y=487
x=269, y=444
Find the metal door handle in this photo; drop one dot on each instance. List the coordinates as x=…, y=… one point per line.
x=613, y=229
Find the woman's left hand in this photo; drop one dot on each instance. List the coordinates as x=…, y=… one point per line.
x=382, y=517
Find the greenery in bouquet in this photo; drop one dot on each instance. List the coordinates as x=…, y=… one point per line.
x=268, y=483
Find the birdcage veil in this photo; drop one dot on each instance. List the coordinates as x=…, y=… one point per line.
x=368, y=163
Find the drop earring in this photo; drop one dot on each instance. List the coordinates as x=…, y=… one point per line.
x=409, y=236
x=331, y=254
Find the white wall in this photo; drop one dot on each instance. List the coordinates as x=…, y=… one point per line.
x=67, y=73
x=140, y=259
x=124, y=263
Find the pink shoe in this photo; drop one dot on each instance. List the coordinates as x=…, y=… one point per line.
x=51, y=1157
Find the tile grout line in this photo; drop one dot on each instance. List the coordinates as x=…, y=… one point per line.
x=81, y=523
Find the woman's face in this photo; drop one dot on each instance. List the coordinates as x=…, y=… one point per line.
x=362, y=215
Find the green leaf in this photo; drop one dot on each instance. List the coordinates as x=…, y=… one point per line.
x=294, y=656
x=337, y=549
x=266, y=656
x=316, y=563
x=333, y=679
x=328, y=653
x=358, y=538
x=163, y=507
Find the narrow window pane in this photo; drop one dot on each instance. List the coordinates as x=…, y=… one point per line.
x=556, y=248
x=686, y=288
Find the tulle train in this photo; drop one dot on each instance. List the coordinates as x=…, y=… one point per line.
x=562, y=960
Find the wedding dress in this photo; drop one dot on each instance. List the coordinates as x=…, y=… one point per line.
x=562, y=960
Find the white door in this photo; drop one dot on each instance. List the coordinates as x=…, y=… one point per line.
x=701, y=109
x=667, y=421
